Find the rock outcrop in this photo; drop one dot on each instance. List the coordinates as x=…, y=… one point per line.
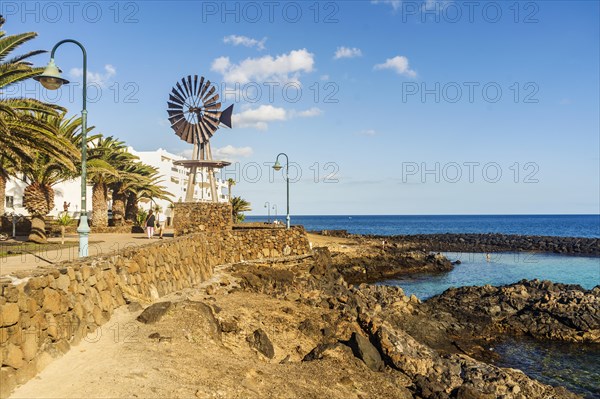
x=540, y=309
x=382, y=318
x=499, y=243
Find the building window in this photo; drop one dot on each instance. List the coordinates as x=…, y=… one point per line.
x=10, y=201
x=175, y=180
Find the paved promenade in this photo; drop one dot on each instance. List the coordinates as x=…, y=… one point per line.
x=100, y=244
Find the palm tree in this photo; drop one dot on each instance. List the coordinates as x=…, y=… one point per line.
x=20, y=130
x=45, y=171
x=106, y=155
x=239, y=205
x=230, y=183
x=132, y=176
x=142, y=181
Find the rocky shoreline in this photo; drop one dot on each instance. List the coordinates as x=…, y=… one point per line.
x=434, y=356
x=310, y=326
x=487, y=242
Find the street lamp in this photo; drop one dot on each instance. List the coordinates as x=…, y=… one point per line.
x=268, y=206
x=52, y=80
x=275, y=208
x=278, y=167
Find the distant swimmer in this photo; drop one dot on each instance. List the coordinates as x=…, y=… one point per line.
x=488, y=258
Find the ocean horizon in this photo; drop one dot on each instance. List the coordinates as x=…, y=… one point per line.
x=561, y=225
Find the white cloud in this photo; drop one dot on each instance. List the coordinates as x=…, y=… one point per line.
x=230, y=152
x=399, y=64
x=347, y=52
x=309, y=113
x=245, y=41
x=283, y=68
x=259, y=118
x=101, y=79
x=395, y=4
x=324, y=77
x=368, y=132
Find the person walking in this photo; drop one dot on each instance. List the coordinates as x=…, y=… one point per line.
x=160, y=224
x=150, y=221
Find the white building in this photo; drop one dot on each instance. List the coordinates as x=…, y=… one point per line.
x=174, y=179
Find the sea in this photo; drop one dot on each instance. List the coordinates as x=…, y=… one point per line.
x=574, y=366
x=389, y=225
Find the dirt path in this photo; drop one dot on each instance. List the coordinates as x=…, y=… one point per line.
x=193, y=359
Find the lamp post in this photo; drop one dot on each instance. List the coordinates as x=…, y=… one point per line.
x=278, y=167
x=268, y=206
x=52, y=80
x=275, y=208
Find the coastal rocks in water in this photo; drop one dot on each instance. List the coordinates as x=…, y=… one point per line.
x=500, y=242
x=260, y=341
x=154, y=312
x=364, y=350
x=542, y=309
x=386, y=263
x=385, y=315
x=448, y=376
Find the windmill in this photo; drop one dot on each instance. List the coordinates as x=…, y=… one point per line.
x=195, y=115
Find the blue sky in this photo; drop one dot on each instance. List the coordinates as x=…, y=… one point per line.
x=389, y=107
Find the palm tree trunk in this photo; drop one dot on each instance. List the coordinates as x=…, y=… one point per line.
x=38, y=230
x=2, y=193
x=100, y=205
x=118, y=208
x=131, y=208
x=38, y=199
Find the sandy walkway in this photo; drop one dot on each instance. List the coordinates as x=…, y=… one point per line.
x=101, y=244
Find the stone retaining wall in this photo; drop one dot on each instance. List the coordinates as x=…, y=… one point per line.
x=43, y=312
x=196, y=217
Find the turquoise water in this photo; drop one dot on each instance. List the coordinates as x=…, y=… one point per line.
x=573, y=366
x=388, y=225
x=501, y=269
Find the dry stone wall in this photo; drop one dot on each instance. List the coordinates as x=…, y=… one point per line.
x=197, y=217
x=43, y=312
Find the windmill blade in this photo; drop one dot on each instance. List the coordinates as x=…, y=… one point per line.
x=204, y=135
x=189, y=85
x=211, y=121
x=206, y=86
x=174, y=106
x=210, y=130
x=176, y=100
x=197, y=137
x=178, y=127
x=186, y=88
x=212, y=100
x=176, y=96
x=187, y=133
x=175, y=116
x=200, y=86
x=180, y=90
x=195, y=84
x=210, y=93
x=212, y=107
x=225, y=117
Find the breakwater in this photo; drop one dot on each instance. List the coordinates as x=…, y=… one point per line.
x=500, y=243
